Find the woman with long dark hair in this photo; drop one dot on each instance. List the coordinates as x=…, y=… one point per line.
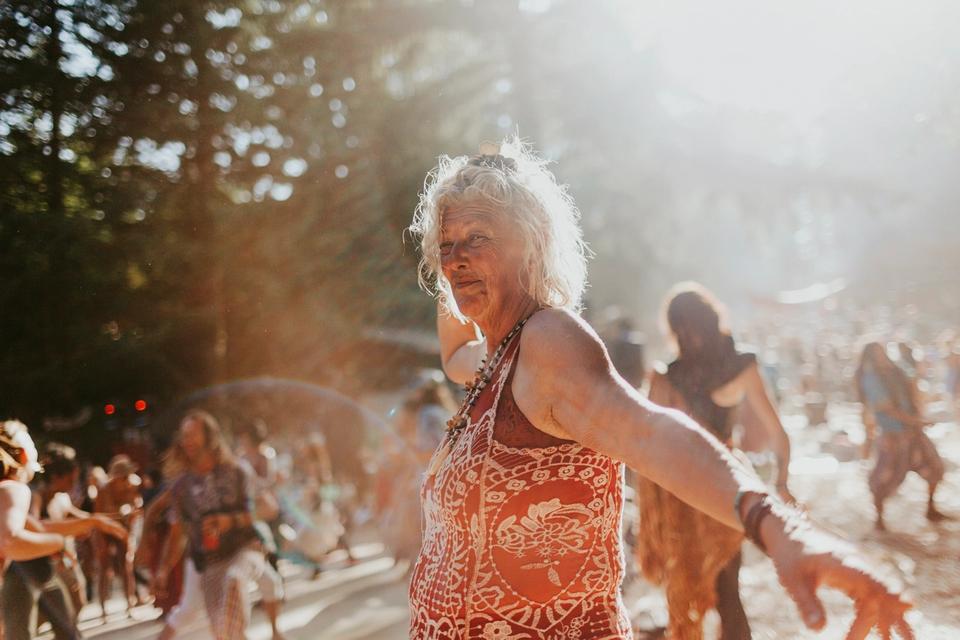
x=887, y=395
x=696, y=558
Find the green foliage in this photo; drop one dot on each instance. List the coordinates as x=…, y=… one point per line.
x=199, y=190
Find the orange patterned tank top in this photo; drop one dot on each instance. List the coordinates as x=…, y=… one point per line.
x=519, y=543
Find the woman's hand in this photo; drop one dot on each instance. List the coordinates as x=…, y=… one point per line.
x=806, y=558
x=788, y=497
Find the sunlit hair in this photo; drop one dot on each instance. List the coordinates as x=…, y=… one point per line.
x=695, y=321
x=527, y=193
x=18, y=454
x=176, y=461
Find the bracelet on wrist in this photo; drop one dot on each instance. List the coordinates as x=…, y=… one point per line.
x=755, y=516
x=758, y=511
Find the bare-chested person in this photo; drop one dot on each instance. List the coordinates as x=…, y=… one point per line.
x=120, y=499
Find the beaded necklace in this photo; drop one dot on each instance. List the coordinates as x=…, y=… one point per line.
x=458, y=422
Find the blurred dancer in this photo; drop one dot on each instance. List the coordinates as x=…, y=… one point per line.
x=213, y=507
x=419, y=429
x=694, y=556
x=953, y=376
x=120, y=500
x=52, y=501
x=261, y=458
x=32, y=544
x=888, y=394
x=347, y=484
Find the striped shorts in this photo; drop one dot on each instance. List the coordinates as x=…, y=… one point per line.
x=226, y=591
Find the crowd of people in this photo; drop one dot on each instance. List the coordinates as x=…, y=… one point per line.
x=190, y=538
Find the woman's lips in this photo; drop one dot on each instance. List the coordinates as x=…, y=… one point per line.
x=463, y=284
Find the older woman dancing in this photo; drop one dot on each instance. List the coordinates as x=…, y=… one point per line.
x=522, y=500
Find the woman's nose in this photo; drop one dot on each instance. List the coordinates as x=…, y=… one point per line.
x=454, y=257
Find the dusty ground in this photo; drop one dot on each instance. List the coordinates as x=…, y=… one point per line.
x=925, y=557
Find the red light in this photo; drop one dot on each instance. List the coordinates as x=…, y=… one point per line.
x=109, y=409
x=140, y=405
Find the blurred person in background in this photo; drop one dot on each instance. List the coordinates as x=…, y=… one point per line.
x=119, y=499
x=255, y=451
x=419, y=429
x=213, y=512
x=889, y=396
x=95, y=477
x=30, y=581
x=695, y=557
x=52, y=500
x=953, y=376
x=338, y=484
x=626, y=348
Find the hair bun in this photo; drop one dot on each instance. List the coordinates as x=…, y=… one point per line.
x=495, y=161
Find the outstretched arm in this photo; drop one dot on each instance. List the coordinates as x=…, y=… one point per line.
x=565, y=385
x=83, y=526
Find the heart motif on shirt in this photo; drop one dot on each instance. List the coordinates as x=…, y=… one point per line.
x=542, y=536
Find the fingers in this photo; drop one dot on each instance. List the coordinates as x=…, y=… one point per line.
x=885, y=631
x=803, y=592
x=862, y=624
x=906, y=633
x=888, y=624
x=887, y=617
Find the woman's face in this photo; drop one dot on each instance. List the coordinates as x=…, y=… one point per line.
x=481, y=256
x=192, y=438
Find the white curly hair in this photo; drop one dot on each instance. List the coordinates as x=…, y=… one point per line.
x=516, y=182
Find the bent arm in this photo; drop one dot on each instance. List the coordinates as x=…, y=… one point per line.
x=566, y=385
x=16, y=541
x=461, y=347
x=759, y=401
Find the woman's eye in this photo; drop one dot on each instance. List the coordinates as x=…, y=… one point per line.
x=477, y=238
x=446, y=248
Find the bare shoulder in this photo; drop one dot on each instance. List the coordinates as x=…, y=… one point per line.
x=558, y=338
